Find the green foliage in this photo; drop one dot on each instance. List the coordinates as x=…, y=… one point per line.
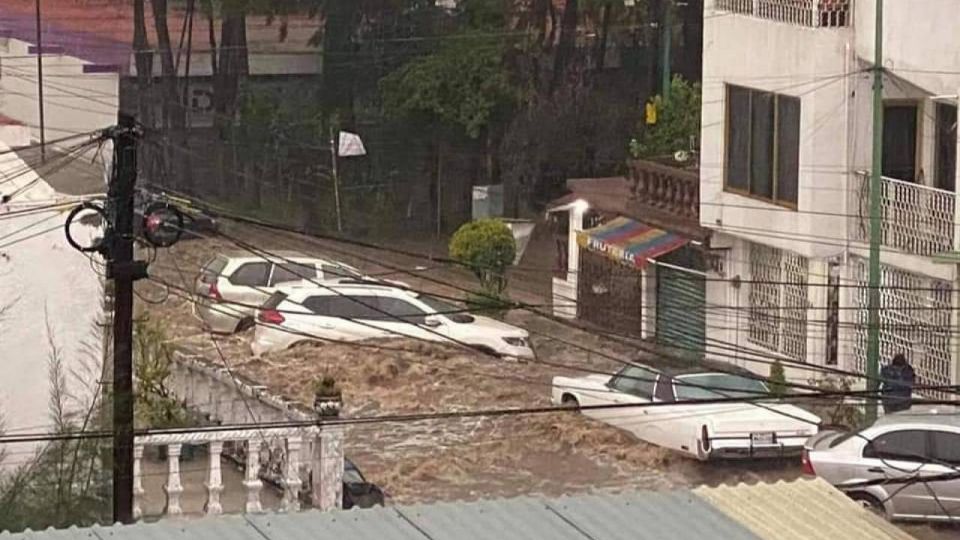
x=326, y=386
x=678, y=122
x=488, y=248
x=777, y=381
x=464, y=84
x=837, y=413
x=155, y=405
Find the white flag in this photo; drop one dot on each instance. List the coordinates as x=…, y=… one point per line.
x=350, y=145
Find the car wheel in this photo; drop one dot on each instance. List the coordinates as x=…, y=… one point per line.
x=569, y=401
x=869, y=502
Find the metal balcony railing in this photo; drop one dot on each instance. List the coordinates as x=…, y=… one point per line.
x=915, y=218
x=814, y=13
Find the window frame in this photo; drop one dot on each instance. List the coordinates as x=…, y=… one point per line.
x=269, y=273
x=279, y=267
x=775, y=161
x=634, y=379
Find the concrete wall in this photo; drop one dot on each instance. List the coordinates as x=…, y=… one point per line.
x=53, y=300
x=809, y=63
x=74, y=101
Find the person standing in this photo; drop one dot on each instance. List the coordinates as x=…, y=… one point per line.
x=897, y=379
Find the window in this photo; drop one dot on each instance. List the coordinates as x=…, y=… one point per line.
x=398, y=308
x=212, y=270
x=635, y=380
x=292, y=273
x=906, y=445
x=946, y=447
x=763, y=144
x=717, y=386
x=777, y=301
x=946, y=151
x=347, y=307
x=900, y=141
x=251, y=275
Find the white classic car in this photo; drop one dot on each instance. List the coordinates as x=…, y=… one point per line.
x=701, y=430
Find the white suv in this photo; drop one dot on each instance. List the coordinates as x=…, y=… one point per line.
x=357, y=312
x=231, y=285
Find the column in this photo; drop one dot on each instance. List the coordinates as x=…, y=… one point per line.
x=291, y=475
x=252, y=476
x=955, y=316
x=173, y=488
x=137, y=482
x=328, y=469
x=214, y=482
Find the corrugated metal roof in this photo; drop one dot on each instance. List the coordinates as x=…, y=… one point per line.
x=797, y=510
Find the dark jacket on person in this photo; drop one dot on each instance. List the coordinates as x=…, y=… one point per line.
x=897, y=389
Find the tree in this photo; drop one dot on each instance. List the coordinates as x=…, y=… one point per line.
x=488, y=248
x=678, y=122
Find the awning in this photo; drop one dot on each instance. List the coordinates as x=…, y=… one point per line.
x=630, y=242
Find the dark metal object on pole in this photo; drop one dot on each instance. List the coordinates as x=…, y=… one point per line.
x=43, y=135
x=123, y=270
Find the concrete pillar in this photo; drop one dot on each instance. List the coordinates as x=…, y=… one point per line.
x=251, y=479
x=214, y=482
x=291, y=475
x=137, y=481
x=328, y=469
x=173, y=488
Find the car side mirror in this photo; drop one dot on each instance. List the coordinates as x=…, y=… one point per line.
x=432, y=322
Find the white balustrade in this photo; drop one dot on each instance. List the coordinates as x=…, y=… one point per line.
x=214, y=483
x=915, y=218
x=173, y=488
x=273, y=454
x=816, y=13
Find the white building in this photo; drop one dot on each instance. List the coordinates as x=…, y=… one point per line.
x=789, y=80
x=51, y=296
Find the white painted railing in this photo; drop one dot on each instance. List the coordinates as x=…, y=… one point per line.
x=915, y=218
x=281, y=456
x=816, y=13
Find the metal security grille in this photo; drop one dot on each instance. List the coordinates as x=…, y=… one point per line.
x=914, y=320
x=609, y=295
x=778, y=301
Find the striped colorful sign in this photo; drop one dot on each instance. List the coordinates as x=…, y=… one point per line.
x=629, y=242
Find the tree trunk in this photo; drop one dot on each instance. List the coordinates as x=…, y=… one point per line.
x=652, y=42
x=338, y=69
x=170, y=101
x=567, y=45
x=233, y=64
x=144, y=61
x=604, y=34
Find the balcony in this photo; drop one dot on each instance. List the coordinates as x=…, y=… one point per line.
x=665, y=196
x=916, y=219
x=812, y=13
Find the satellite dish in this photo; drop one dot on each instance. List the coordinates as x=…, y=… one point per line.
x=681, y=155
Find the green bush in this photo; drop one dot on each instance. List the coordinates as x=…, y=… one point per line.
x=777, y=380
x=678, y=121
x=487, y=247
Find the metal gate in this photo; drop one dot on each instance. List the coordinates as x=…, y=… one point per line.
x=609, y=294
x=681, y=307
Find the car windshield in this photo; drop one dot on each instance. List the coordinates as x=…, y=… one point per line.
x=717, y=385
x=454, y=312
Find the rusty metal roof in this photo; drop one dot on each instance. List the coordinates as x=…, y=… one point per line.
x=800, y=509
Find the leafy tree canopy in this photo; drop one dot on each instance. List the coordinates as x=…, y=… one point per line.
x=678, y=122
x=488, y=248
x=465, y=84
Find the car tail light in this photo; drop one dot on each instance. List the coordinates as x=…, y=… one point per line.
x=705, y=439
x=807, y=464
x=271, y=316
x=214, y=293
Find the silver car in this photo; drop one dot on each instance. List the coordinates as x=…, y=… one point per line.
x=904, y=466
x=231, y=286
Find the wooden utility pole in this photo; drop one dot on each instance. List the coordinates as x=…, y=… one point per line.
x=876, y=181
x=123, y=270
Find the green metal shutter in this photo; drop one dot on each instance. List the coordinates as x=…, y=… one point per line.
x=681, y=311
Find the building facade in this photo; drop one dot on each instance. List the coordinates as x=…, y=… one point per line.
x=786, y=135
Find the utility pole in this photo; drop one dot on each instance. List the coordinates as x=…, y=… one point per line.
x=873, y=305
x=123, y=270
x=665, y=75
x=334, y=150
x=43, y=136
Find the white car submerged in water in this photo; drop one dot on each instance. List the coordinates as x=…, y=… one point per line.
x=701, y=430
